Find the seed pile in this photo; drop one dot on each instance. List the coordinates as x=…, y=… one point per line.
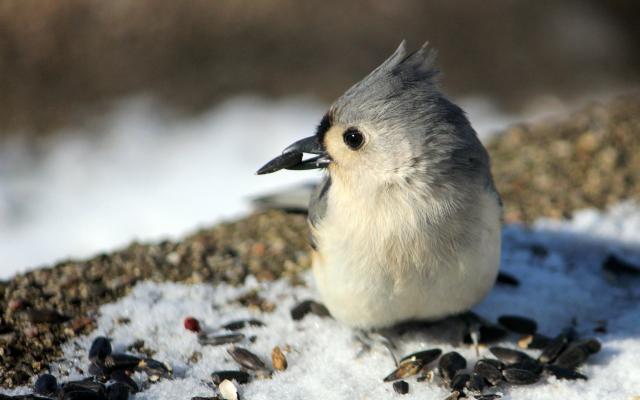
x=559, y=356
x=110, y=377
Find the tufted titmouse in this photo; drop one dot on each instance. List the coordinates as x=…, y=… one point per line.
x=406, y=223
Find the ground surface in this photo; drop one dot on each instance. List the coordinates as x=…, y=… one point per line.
x=273, y=245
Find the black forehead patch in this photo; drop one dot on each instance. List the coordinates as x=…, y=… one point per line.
x=324, y=126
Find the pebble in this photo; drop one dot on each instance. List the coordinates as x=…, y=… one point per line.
x=278, y=360
x=401, y=387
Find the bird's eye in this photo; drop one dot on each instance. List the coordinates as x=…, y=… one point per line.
x=353, y=138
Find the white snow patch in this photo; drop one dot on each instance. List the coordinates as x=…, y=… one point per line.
x=564, y=285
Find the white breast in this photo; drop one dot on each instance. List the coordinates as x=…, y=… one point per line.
x=379, y=262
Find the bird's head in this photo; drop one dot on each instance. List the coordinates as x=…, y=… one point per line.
x=390, y=127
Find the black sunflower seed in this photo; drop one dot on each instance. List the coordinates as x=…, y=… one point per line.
x=529, y=365
x=476, y=383
x=401, y=387
x=246, y=358
x=556, y=346
x=592, y=346
x=572, y=357
x=518, y=324
x=83, y=385
x=122, y=377
x=405, y=369
x=100, y=349
x=239, y=376
x=450, y=363
x=308, y=306
x=509, y=356
x=563, y=373
x=490, y=396
x=459, y=381
x=507, y=279
x=154, y=368
x=242, y=323
x=216, y=340
x=534, y=342
x=118, y=391
x=82, y=395
x=488, y=334
x=425, y=356
x=619, y=266
x=488, y=370
x=121, y=361
x=518, y=376
x=46, y=384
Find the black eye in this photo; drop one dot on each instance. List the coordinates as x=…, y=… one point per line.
x=353, y=138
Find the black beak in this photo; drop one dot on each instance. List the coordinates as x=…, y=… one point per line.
x=291, y=157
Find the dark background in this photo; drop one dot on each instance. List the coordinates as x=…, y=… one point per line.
x=61, y=61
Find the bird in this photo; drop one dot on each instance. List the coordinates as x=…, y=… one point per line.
x=405, y=224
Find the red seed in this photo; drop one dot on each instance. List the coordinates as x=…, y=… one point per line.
x=192, y=324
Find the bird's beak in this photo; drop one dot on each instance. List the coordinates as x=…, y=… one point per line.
x=291, y=157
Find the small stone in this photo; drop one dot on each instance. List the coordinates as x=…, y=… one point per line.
x=46, y=385
x=278, y=359
x=228, y=390
x=401, y=387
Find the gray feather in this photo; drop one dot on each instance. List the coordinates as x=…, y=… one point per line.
x=318, y=205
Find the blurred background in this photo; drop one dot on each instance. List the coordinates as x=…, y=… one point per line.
x=143, y=119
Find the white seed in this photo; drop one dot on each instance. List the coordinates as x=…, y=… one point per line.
x=228, y=390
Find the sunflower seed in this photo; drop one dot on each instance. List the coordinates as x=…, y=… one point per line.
x=46, y=384
x=238, y=376
x=450, y=363
x=122, y=377
x=154, y=368
x=401, y=387
x=572, y=357
x=425, y=356
x=475, y=384
x=563, y=373
x=241, y=323
x=217, y=340
x=100, y=348
x=118, y=391
x=507, y=279
x=490, y=396
x=459, y=382
x=405, y=369
x=535, y=341
x=121, y=361
x=518, y=324
x=556, y=346
x=487, y=369
x=308, y=306
x=246, y=358
x=488, y=333
x=619, y=266
x=509, y=356
x=519, y=376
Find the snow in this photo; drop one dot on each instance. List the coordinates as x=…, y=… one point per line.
x=143, y=173
x=563, y=285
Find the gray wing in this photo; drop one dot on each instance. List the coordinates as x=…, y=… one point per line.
x=318, y=205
